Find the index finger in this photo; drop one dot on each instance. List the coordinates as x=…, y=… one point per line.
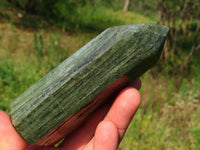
x=124, y=108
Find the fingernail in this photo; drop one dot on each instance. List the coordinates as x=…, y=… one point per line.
x=137, y=84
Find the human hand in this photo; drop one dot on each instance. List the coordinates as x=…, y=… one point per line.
x=102, y=131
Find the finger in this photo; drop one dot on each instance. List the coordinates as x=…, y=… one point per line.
x=124, y=108
x=80, y=138
x=9, y=138
x=121, y=114
x=106, y=136
x=84, y=134
x=33, y=147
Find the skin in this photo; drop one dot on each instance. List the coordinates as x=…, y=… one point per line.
x=102, y=131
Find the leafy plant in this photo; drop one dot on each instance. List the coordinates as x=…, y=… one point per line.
x=38, y=45
x=7, y=73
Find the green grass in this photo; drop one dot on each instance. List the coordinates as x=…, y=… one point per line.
x=163, y=121
x=92, y=18
x=169, y=115
x=25, y=56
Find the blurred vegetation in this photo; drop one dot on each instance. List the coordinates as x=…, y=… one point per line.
x=36, y=35
x=82, y=15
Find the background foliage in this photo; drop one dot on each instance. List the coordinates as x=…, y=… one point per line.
x=36, y=35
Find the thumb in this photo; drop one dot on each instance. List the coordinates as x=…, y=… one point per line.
x=10, y=139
